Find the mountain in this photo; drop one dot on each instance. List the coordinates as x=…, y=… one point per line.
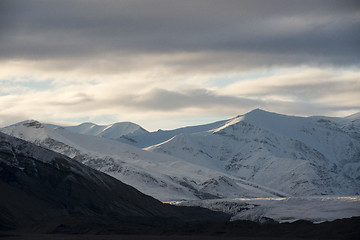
x=148, y=139
x=258, y=154
x=112, y=131
x=39, y=186
x=162, y=176
x=296, y=155
x=130, y=133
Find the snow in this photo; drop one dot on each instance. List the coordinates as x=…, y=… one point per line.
x=258, y=154
x=315, y=209
x=296, y=155
x=153, y=138
x=161, y=176
x=13, y=145
x=112, y=131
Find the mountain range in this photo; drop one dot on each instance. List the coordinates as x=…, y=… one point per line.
x=258, y=154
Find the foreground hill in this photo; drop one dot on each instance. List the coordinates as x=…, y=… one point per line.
x=43, y=188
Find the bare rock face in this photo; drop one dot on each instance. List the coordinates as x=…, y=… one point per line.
x=33, y=123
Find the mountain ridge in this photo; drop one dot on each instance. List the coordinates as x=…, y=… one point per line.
x=164, y=177
x=260, y=140
x=285, y=155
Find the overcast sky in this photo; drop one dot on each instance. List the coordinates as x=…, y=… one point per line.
x=166, y=63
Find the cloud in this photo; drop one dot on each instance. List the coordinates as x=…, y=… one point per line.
x=148, y=60
x=198, y=99
x=299, y=91
x=325, y=86
x=84, y=34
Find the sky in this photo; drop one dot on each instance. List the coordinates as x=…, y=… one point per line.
x=167, y=64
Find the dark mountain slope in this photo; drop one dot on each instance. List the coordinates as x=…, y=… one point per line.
x=38, y=185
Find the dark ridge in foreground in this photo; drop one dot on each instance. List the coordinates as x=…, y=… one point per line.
x=41, y=189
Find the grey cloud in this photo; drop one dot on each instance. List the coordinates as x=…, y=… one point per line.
x=78, y=99
x=61, y=30
x=309, y=108
x=160, y=100
x=316, y=90
x=165, y=100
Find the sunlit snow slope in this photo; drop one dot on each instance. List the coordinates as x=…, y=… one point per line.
x=296, y=155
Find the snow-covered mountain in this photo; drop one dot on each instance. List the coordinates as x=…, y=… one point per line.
x=259, y=154
x=296, y=155
x=148, y=139
x=162, y=176
x=112, y=131
x=131, y=133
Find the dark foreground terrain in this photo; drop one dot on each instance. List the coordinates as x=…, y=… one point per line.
x=133, y=229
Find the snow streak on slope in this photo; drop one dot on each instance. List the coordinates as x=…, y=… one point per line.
x=162, y=176
x=299, y=156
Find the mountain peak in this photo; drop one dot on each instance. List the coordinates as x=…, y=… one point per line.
x=112, y=131
x=85, y=124
x=124, y=125
x=254, y=115
x=33, y=124
x=259, y=112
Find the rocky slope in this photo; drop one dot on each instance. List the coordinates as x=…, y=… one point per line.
x=40, y=186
